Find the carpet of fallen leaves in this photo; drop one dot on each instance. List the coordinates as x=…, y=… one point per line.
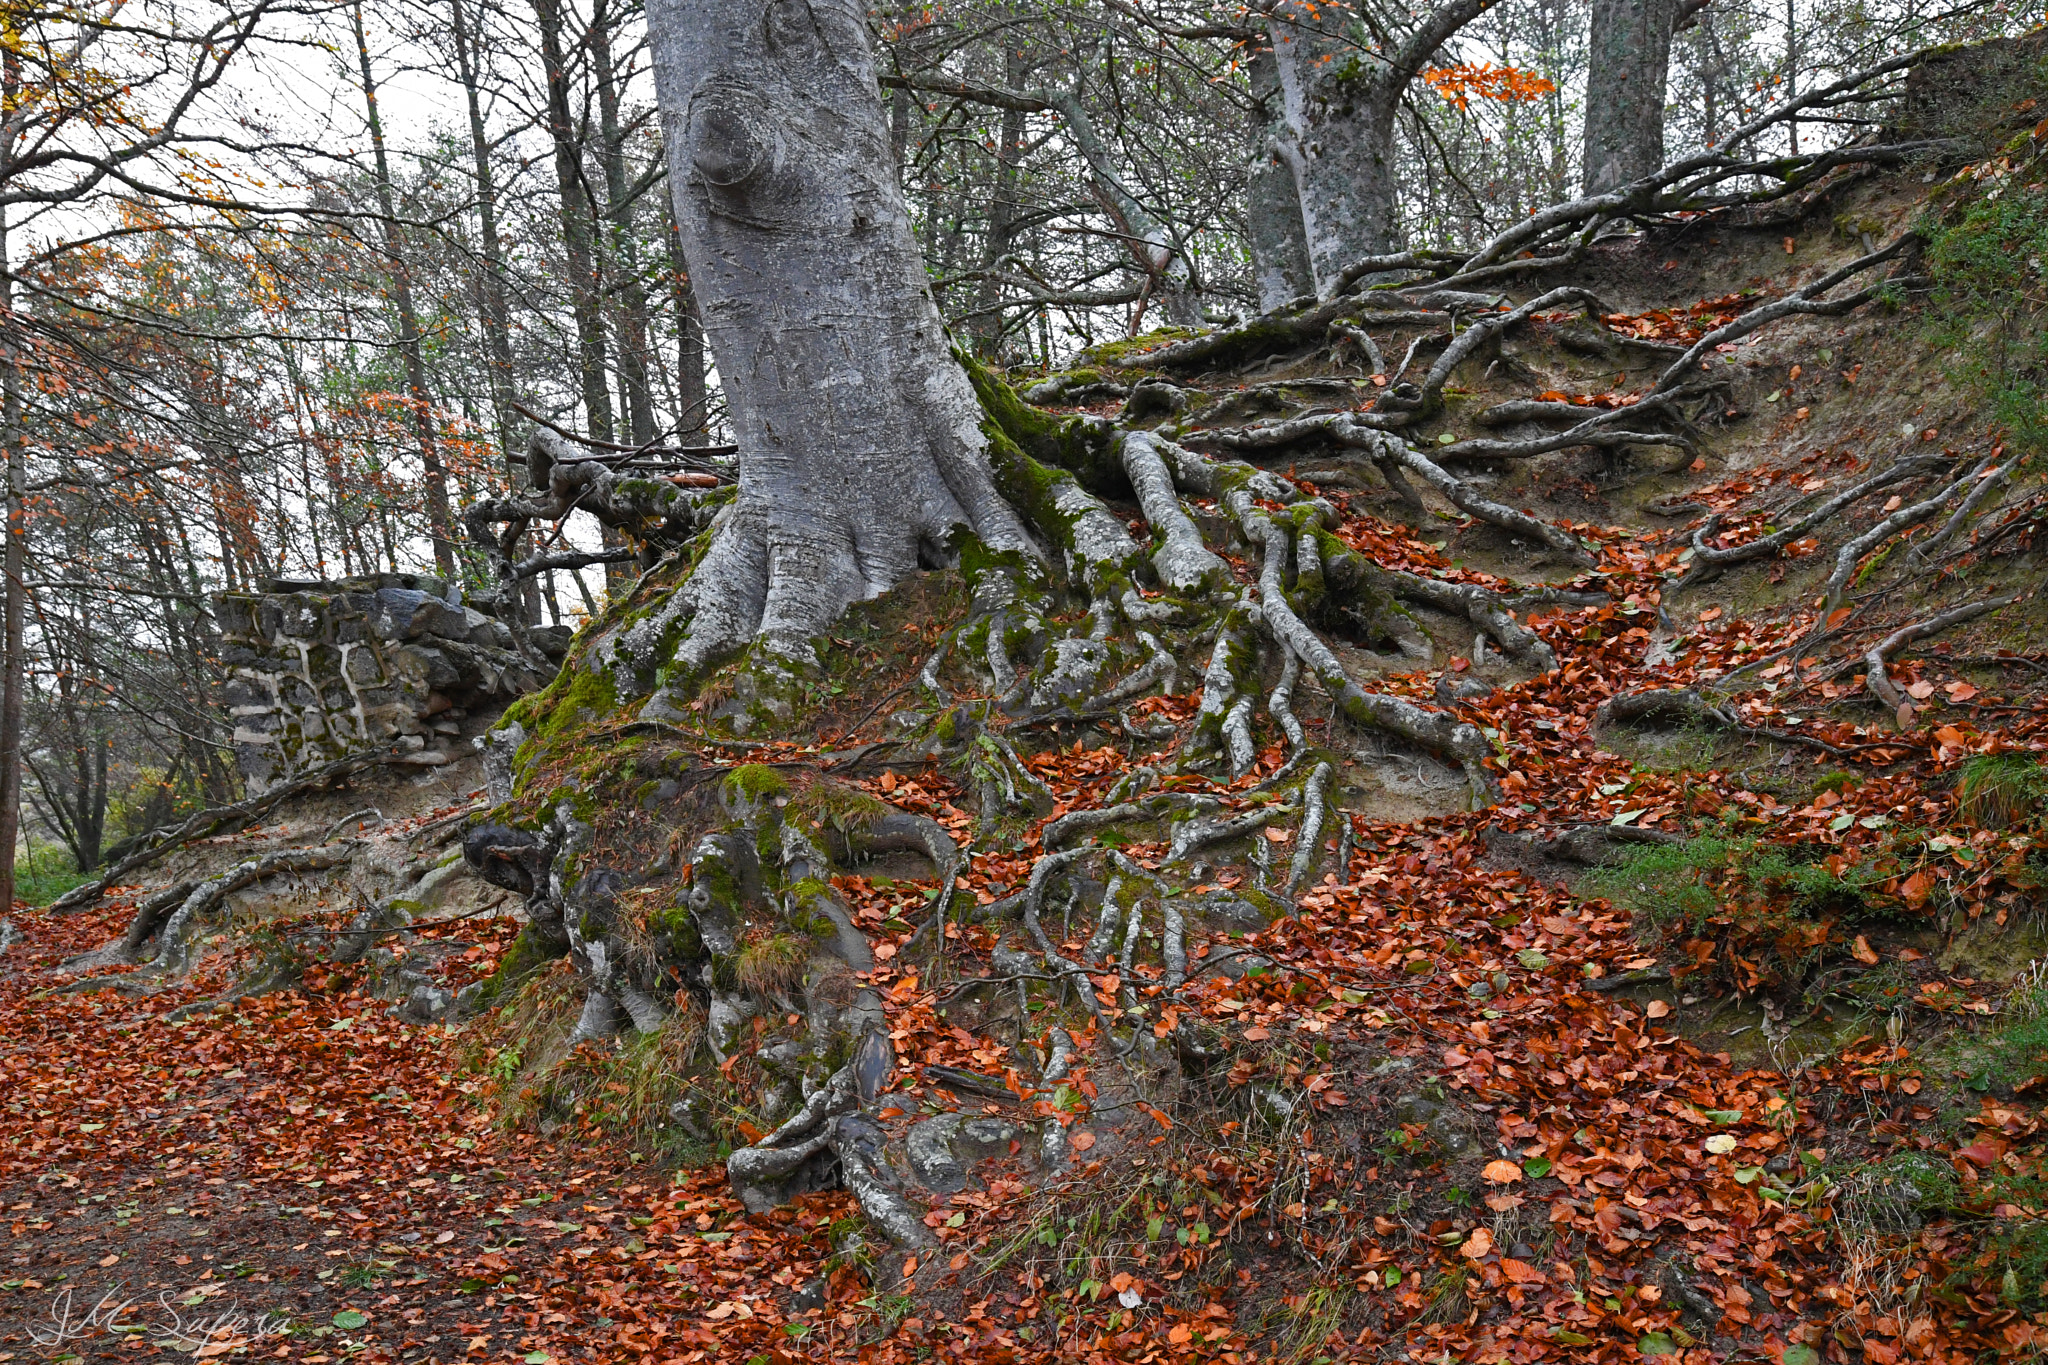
x=300, y=1176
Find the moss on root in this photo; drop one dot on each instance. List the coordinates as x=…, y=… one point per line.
x=1078, y=445
x=756, y=782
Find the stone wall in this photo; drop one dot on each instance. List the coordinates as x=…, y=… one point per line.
x=395, y=661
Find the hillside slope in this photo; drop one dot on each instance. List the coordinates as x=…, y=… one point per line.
x=909, y=1010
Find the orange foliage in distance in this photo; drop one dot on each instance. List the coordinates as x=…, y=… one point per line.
x=1507, y=84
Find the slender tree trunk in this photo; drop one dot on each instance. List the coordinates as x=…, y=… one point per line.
x=1004, y=209
x=1151, y=241
x=861, y=452
x=621, y=257
x=439, y=522
x=1272, y=209
x=15, y=562
x=1628, y=58
x=497, y=316
x=578, y=211
x=1002, y=226
x=1792, y=68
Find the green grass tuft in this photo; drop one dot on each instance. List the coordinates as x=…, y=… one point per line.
x=774, y=965
x=2002, y=790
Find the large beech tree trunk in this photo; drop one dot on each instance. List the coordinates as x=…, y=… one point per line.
x=1629, y=54
x=1340, y=117
x=860, y=446
x=1341, y=93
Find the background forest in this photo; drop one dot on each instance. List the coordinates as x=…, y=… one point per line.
x=291, y=281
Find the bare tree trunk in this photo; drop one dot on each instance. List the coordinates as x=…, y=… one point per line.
x=439, y=522
x=1152, y=242
x=491, y=286
x=578, y=210
x=861, y=451
x=15, y=563
x=1341, y=94
x=1627, y=61
x=1272, y=209
x=620, y=254
x=496, y=313
x=1003, y=212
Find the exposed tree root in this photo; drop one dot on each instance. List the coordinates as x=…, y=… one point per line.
x=1309, y=841
x=1182, y=562
x=1990, y=482
x=1683, y=705
x=1852, y=552
x=1435, y=730
x=1391, y=450
x=1878, y=680
x=1709, y=560
x=1804, y=300
x=767, y=949
x=174, y=916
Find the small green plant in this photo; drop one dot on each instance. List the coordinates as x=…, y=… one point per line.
x=1667, y=884
x=2012, y=1260
x=1774, y=905
x=2010, y=1057
x=1981, y=257
x=363, y=1275
x=1710, y=878
x=1999, y=791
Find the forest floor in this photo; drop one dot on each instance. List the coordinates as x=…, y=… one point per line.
x=1767, y=1088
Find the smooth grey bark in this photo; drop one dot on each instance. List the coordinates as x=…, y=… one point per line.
x=1341, y=91
x=693, y=418
x=860, y=446
x=1272, y=202
x=1152, y=241
x=1628, y=59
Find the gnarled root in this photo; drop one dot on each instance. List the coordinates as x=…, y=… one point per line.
x=1709, y=560
x=1878, y=680
x=1309, y=841
x=1392, y=450
x=1847, y=558
x=1435, y=729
